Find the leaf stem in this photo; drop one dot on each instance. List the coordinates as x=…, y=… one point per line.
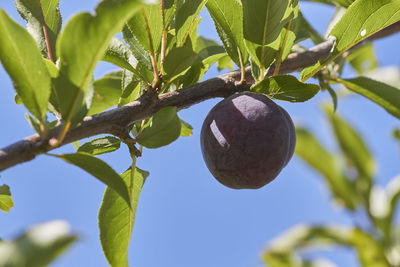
x=242, y=68
x=46, y=35
x=153, y=53
x=279, y=62
x=163, y=37
x=62, y=135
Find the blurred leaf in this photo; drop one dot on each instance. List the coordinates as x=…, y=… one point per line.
x=98, y=169
x=186, y=17
x=396, y=134
x=81, y=45
x=186, y=129
x=178, y=60
x=31, y=12
x=263, y=21
x=6, y=201
x=393, y=195
x=370, y=252
x=116, y=219
x=382, y=94
x=312, y=152
x=225, y=62
x=228, y=19
x=304, y=31
x=107, y=91
x=160, y=130
x=363, y=59
x=37, y=247
x=301, y=236
x=366, y=17
x=100, y=145
x=146, y=26
x=355, y=151
x=286, y=87
x=22, y=59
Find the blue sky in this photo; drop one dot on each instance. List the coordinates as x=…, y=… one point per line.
x=185, y=217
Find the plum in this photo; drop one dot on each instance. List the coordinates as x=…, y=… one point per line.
x=246, y=140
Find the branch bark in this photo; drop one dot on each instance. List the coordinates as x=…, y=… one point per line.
x=116, y=120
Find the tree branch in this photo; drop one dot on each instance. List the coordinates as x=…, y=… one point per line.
x=116, y=120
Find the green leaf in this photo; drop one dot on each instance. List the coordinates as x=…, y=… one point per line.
x=228, y=19
x=146, y=26
x=6, y=201
x=363, y=58
x=178, y=60
x=116, y=219
x=186, y=129
x=31, y=12
x=81, y=45
x=162, y=129
x=396, y=134
x=131, y=88
x=370, y=252
x=313, y=153
x=356, y=152
x=98, y=169
x=366, y=17
x=39, y=246
x=186, y=18
x=138, y=51
x=107, y=92
x=23, y=61
x=100, y=145
x=286, y=87
x=263, y=21
x=301, y=236
x=119, y=54
x=288, y=33
x=382, y=94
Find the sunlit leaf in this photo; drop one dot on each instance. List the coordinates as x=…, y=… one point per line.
x=162, y=129
x=382, y=94
x=116, y=219
x=186, y=17
x=101, y=145
x=98, y=169
x=228, y=19
x=82, y=43
x=366, y=17
x=106, y=93
x=287, y=88
x=30, y=11
x=186, y=129
x=147, y=28
x=22, y=59
x=263, y=21
x=39, y=246
x=6, y=201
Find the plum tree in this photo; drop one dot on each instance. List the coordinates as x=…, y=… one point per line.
x=246, y=140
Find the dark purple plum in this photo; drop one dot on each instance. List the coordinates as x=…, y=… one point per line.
x=246, y=140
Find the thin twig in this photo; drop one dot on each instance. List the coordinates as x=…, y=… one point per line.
x=46, y=35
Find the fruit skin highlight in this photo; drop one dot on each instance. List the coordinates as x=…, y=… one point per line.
x=246, y=140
